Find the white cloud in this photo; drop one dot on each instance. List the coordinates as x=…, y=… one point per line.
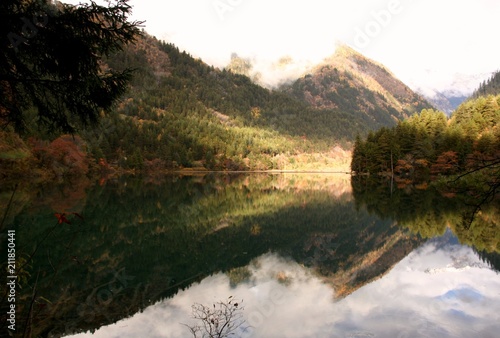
x=433, y=42
x=444, y=37
x=435, y=291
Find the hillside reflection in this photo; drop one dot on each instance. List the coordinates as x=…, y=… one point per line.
x=141, y=242
x=441, y=289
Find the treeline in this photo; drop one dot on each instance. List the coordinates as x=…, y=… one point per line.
x=428, y=144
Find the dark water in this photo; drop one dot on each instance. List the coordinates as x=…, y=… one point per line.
x=304, y=255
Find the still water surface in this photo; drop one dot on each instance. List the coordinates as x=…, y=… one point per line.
x=438, y=290
x=305, y=255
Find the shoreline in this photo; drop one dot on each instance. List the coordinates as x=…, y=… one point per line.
x=116, y=173
x=272, y=171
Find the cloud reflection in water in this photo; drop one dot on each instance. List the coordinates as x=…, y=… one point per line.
x=435, y=291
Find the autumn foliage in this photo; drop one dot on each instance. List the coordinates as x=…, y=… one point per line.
x=446, y=163
x=430, y=145
x=65, y=156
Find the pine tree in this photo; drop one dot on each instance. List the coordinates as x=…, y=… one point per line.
x=50, y=59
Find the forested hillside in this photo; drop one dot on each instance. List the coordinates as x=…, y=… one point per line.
x=428, y=144
x=182, y=113
x=194, y=115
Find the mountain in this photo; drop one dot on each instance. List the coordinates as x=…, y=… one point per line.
x=182, y=113
x=347, y=81
x=447, y=102
x=447, y=97
x=450, y=99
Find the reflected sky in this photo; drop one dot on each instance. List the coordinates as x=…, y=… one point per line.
x=441, y=289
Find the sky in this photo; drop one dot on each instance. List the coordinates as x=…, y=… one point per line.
x=425, y=43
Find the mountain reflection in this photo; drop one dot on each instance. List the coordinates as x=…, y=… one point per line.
x=444, y=291
x=200, y=239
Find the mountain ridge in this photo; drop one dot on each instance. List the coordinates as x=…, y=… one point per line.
x=372, y=90
x=183, y=113
x=459, y=88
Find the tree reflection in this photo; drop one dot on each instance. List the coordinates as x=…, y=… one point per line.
x=429, y=212
x=143, y=241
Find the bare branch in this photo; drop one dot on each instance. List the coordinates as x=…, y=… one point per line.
x=221, y=320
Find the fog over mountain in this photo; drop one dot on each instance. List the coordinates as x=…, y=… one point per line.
x=446, y=94
x=433, y=47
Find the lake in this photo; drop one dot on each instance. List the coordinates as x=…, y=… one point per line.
x=303, y=255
